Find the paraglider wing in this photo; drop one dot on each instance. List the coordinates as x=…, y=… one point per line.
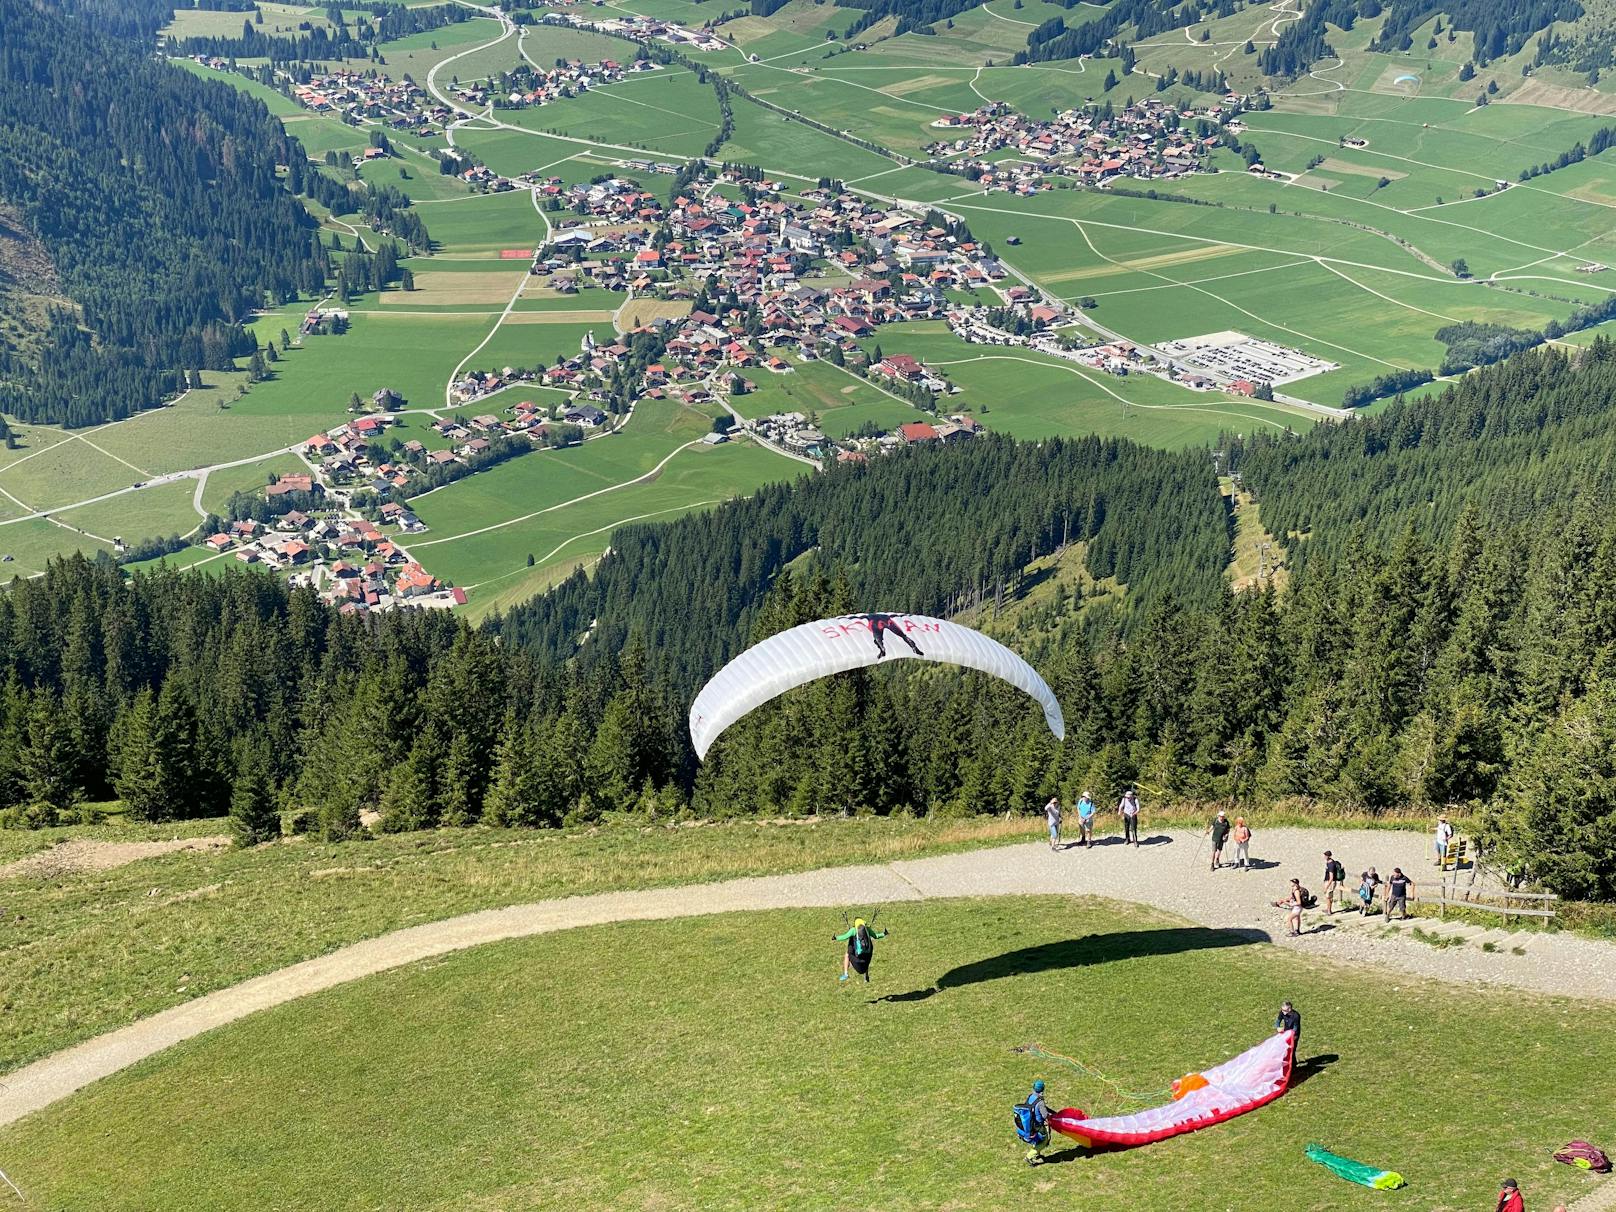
x=1255, y=1077
x=815, y=650
x=1354, y=1171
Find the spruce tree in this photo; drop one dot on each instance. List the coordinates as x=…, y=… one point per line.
x=48, y=761
x=254, y=811
x=411, y=800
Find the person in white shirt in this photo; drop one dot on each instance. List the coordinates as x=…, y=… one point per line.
x=1129, y=808
x=1444, y=835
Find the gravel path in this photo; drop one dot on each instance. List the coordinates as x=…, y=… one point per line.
x=1168, y=872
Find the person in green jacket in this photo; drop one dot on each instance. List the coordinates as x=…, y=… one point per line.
x=860, y=940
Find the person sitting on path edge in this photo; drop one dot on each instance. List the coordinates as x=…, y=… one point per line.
x=1219, y=829
x=1129, y=808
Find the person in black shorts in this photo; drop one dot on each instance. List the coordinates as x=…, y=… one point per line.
x=1398, y=889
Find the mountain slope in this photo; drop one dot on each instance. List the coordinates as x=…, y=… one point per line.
x=158, y=200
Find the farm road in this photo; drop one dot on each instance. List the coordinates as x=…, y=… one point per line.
x=1171, y=873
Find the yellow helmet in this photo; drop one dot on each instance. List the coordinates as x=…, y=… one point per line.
x=857, y=922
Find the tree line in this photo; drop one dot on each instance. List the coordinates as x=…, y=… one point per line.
x=930, y=530
x=1445, y=639
x=190, y=696
x=1499, y=27
x=319, y=44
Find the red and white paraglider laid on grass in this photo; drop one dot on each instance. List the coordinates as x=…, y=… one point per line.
x=1255, y=1077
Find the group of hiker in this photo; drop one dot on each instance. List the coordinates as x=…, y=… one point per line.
x=1127, y=808
x=1393, y=891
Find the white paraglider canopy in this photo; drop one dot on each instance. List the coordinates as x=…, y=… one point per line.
x=853, y=641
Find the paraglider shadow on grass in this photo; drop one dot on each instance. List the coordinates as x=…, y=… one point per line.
x=1303, y=1070
x=1083, y=952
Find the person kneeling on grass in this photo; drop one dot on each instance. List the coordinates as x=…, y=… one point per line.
x=1032, y=1122
x=860, y=942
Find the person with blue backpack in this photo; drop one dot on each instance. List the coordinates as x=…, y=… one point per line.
x=860, y=939
x=1032, y=1122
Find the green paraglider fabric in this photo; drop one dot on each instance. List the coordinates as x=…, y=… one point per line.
x=1355, y=1172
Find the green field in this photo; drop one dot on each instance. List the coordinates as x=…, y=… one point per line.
x=559, y=506
x=814, y=387
x=782, y=146
x=162, y=509
x=483, y=224
x=647, y=1081
x=1031, y=395
x=27, y=546
x=667, y=113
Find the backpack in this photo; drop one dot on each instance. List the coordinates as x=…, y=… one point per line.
x=1584, y=1156
x=1027, y=1126
x=1337, y=871
x=1308, y=899
x=862, y=943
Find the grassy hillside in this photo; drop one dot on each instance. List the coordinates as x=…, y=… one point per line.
x=717, y=1064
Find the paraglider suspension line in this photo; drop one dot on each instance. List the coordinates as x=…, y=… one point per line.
x=1143, y=1098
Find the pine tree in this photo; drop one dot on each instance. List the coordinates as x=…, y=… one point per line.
x=155, y=770
x=48, y=760
x=1556, y=814
x=411, y=800
x=461, y=783
x=611, y=770
x=254, y=812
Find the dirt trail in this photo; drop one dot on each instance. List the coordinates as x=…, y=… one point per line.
x=1170, y=872
x=85, y=854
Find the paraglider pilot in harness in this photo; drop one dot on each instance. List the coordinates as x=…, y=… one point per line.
x=860, y=939
x=1032, y=1122
x=880, y=623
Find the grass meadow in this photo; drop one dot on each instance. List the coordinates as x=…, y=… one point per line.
x=1033, y=396
x=301, y=898
x=716, y=1063
x=561, y=506
x=668, y=113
